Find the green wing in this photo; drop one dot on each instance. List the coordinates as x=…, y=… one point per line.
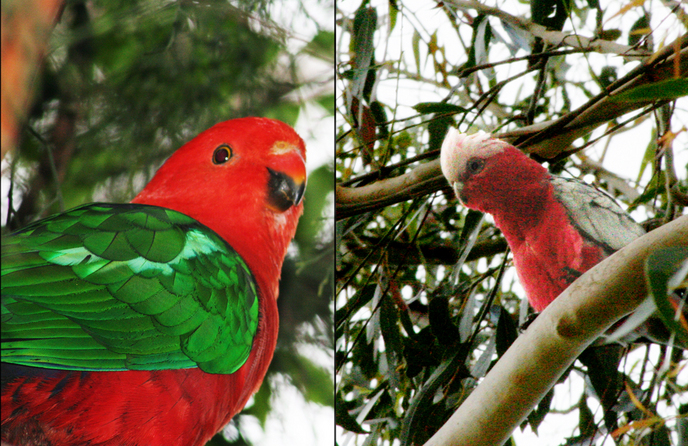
x=125, y=287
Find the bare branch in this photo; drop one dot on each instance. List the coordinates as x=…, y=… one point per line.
x=555, y=38
x=421, y=181
x=445, y=253
x=667, y=63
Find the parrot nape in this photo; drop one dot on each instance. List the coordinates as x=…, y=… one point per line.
x=557, y=228
x=153, y=322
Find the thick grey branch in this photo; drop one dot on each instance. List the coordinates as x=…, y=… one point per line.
x=418, y=182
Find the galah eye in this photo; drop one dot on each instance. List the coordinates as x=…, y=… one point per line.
x=222, y=154
x=475, y=165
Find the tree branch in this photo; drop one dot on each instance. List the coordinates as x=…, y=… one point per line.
x=444, y=253
x=420, y=181
x=536, y=360
x=667, y=63
x=555, y=38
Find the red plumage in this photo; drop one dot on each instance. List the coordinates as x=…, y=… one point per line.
x=155, y=408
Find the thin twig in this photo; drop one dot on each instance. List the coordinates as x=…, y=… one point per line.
x=555, y=38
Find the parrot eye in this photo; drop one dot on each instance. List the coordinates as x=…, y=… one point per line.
x=475, y=165
x=222, y=154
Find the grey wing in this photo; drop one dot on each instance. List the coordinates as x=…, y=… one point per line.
x=596, y=215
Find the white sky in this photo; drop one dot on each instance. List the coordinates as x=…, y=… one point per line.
x=623, y=155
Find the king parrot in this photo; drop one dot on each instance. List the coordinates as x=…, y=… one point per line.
x=153, y=322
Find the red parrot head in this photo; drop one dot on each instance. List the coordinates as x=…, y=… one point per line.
x=256, y=171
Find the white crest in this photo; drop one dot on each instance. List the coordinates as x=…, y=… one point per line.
x=458, y=147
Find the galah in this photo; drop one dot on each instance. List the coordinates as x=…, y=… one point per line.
x=153, y=322
x=557, y=228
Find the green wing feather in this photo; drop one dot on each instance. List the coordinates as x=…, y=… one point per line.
x=125, y=287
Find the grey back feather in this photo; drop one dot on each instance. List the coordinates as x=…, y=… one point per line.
x=596, y=214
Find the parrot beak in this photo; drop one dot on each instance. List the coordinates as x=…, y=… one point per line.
x=458, y=188
x=284, y=191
